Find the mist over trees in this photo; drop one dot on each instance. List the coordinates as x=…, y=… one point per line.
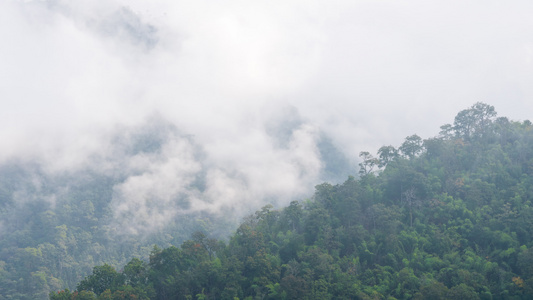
x=447, y=217
x=150, y=184
x=129, y=124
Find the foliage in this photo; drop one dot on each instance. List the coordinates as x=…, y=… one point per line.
x=56, y=225
x=449, y=218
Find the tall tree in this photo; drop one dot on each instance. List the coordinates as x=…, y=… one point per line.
x=103, y=278
x=412, y=146
x=368, y=164
x=474, y=121
x=386, y=155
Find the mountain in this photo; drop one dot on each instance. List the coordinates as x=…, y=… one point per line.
x=449, y=217
x=148, y=184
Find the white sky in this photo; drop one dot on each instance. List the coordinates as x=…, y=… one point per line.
x=367, y=73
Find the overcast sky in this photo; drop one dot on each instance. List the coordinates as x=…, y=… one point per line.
x=365, y=73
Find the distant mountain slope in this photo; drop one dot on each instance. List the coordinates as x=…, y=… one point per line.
x=448, y=217
x=148, y=184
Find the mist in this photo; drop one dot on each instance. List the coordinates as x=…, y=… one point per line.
x=240, y=104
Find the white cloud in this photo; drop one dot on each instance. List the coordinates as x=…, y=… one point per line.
x=366, y=73
x=158, y=188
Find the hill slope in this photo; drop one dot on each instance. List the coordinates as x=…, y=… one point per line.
x=448, y=217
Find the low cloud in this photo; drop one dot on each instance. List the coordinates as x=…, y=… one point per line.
x=250, y=96
x=158, y=185
x=164, y=174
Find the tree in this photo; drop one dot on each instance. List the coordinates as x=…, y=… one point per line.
x=410, y=199
x=433, y=291
x=446, y=131
x=408, y=283
x=293, y=214
x=83, y=295
x=103, y=278
x=462, y=291
x=386, y=155
x=412, y=146
x=212, y=246
x=474, y=121
x=61, y=295
x=368, y=164
x=135, y=273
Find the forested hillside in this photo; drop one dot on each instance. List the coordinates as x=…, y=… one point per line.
x=447, y=217
x=55, y=226
x=144, y=185
x=49, y=244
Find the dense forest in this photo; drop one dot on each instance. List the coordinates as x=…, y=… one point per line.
x=447, y=217
x=56, y=226
x=58, y=222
